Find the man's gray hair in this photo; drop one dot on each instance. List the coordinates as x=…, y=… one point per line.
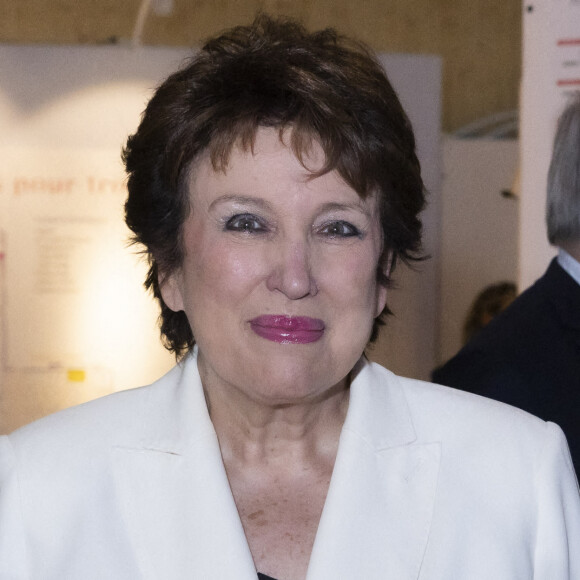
x=563, y=202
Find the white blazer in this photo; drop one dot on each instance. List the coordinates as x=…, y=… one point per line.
x=430, y=483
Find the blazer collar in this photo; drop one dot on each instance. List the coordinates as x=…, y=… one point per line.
x=173, y=488
x=182, y=519
x=377, y=516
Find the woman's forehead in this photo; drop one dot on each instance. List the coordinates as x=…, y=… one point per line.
x=272, y=167
x=305, y=145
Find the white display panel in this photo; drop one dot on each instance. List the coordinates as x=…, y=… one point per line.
x=73, y=295
x=75, y=320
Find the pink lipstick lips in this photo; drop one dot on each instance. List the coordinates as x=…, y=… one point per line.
x=288, y=329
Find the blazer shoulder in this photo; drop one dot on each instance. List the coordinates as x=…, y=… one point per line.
x=96, y=423
x=484, y=434
x=440, y=411
x=447, y=410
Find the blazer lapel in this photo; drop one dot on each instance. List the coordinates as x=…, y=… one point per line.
x=377, y=515
x=173, y=490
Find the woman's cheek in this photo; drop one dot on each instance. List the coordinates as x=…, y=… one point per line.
x=233, y=268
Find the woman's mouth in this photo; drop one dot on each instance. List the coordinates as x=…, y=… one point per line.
x=288, y=329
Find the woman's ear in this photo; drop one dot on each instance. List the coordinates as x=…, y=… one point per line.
x=170, y=288
x=381, y=299
x=382, y=288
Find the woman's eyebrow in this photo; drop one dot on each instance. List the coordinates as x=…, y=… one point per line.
x=259, y=203
x=358, y=206
x=241, y=200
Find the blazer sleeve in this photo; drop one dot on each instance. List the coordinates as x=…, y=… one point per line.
x=13, y=565
x=557, y=550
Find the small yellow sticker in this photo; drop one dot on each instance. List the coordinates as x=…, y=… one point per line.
x=76, y=375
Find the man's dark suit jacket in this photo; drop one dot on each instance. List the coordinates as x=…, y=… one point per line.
x=529, y=355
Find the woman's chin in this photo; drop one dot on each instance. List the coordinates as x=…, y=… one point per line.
x=292, y=386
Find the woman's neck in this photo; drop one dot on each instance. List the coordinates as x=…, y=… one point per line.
x=277, y=435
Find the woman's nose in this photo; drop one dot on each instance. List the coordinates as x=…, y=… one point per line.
x=291, y=271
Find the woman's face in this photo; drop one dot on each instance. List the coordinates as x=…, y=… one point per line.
x=279, y=276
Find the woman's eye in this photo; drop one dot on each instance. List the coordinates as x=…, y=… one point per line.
x=245, y=223
x=340, y=229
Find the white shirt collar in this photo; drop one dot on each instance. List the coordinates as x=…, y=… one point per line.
x=569, y=264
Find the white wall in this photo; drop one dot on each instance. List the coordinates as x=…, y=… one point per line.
x=479, y=228
x=407, y=345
